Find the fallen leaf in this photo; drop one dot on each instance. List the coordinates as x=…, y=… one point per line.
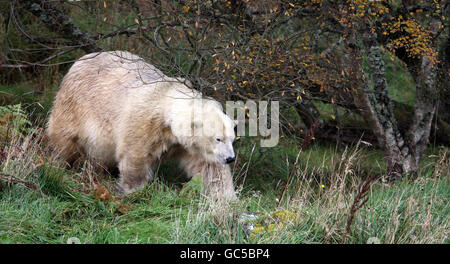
x=101, y=193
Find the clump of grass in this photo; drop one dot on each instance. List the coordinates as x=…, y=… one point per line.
x=13, y=122
x=392, y=213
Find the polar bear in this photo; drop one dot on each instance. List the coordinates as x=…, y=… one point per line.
x=118, y=110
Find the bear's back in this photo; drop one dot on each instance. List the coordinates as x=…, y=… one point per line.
x=103, y=82
x=96, y=96
x=118, y=68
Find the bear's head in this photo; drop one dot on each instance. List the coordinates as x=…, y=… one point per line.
x=210, y=132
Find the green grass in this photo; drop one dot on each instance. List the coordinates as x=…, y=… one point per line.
x=37, y=99
x=401, y=84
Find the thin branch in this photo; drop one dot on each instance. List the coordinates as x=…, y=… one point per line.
x=9, y=179
x=39, y=63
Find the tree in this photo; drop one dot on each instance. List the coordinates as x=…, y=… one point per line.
x=403, y=151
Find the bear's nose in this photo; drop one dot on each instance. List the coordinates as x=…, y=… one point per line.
x=230, y=159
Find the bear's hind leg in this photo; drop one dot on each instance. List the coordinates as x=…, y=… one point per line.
x=67, y=148
x=134, y=174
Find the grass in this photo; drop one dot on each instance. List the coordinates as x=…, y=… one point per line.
x=66, y=203
x=34, y=97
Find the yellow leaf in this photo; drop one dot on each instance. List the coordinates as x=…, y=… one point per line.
x=104, y=4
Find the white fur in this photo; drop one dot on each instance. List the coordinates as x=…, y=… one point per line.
x=121, y=110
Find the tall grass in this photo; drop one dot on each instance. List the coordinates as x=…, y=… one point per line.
x=404, y=212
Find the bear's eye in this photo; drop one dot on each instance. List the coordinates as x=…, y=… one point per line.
x=219, y=140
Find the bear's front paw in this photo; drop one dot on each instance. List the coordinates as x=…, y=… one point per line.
x=125, y=188
x=120, y=189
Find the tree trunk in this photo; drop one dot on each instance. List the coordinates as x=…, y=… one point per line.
x=443, y=111
x=426, y=99
x=380, y=106
x=307, y=112
x=376, y=106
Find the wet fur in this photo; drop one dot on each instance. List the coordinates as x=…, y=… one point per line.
x=113, y=107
